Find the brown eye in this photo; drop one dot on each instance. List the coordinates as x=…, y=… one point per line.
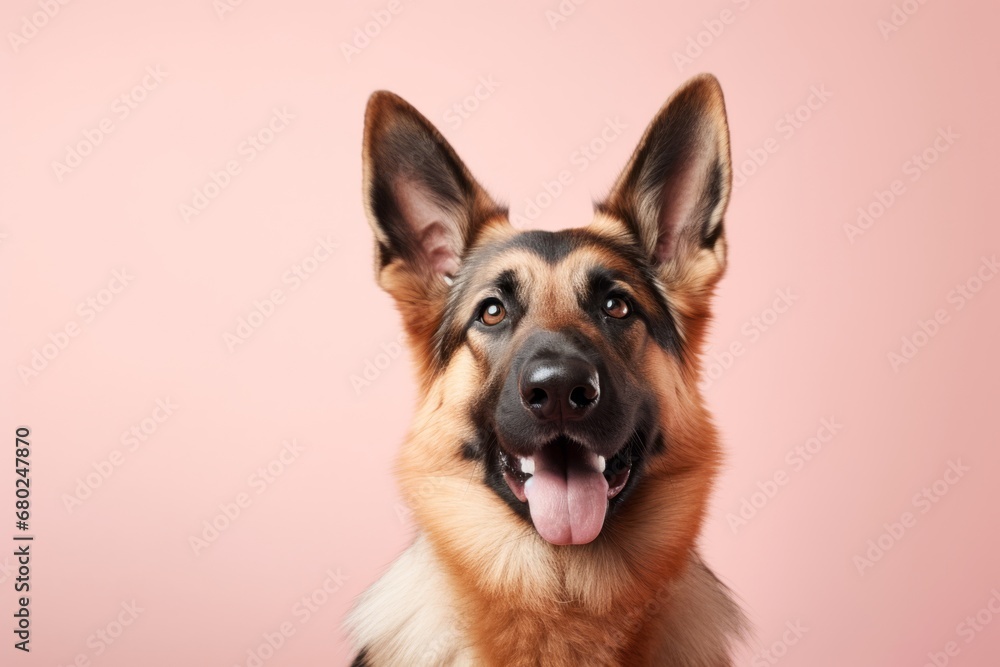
x=617, y=307
x=492, y=313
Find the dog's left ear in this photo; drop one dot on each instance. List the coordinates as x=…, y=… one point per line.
x=672, y=195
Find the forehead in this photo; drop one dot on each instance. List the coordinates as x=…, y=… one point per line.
x=558, y=256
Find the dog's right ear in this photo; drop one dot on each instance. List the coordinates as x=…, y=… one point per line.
x=424, y=206
x=672, y=196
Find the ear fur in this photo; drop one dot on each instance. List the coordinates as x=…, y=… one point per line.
x=673, y=193
x=424, y=207
x=671, y=198
x=422, y=203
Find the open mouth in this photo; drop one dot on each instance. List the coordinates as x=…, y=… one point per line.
x=567, y=488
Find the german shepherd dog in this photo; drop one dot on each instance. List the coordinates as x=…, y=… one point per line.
x=561, y=456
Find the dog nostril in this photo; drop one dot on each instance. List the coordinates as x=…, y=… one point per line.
x=582, y=397
x=537, y=398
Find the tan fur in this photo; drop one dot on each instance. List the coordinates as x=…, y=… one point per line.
x=479, y=586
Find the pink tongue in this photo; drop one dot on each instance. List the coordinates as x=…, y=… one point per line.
x=567, y=498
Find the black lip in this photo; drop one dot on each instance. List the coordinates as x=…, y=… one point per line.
x=499, y=461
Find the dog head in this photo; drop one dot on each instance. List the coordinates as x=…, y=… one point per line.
x=558, y=370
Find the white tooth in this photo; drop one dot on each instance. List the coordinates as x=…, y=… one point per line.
x=527, y=465
x=594, y=462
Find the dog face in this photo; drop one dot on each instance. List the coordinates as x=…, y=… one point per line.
x=558, y=369
x=559, y=325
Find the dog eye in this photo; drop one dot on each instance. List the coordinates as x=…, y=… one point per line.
x=492, y=312
x=617, y=307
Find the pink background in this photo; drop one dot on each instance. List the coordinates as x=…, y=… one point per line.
x=334, y=507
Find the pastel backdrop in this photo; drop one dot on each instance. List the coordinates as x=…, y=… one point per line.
x=212, y=380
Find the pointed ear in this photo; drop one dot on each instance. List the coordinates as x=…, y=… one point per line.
x=672, y=195
x=424, y=207
x=422, y=203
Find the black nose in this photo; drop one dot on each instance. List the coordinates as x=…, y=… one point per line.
x=562, y=389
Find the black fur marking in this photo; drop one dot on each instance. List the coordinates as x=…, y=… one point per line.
x=713, y=195
x=656, y=445
x=713, y=236
x=506, y=283
x=362, y=659
x=470, y=452
x=599, y=281
x=553, y=248
x=663, y=327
